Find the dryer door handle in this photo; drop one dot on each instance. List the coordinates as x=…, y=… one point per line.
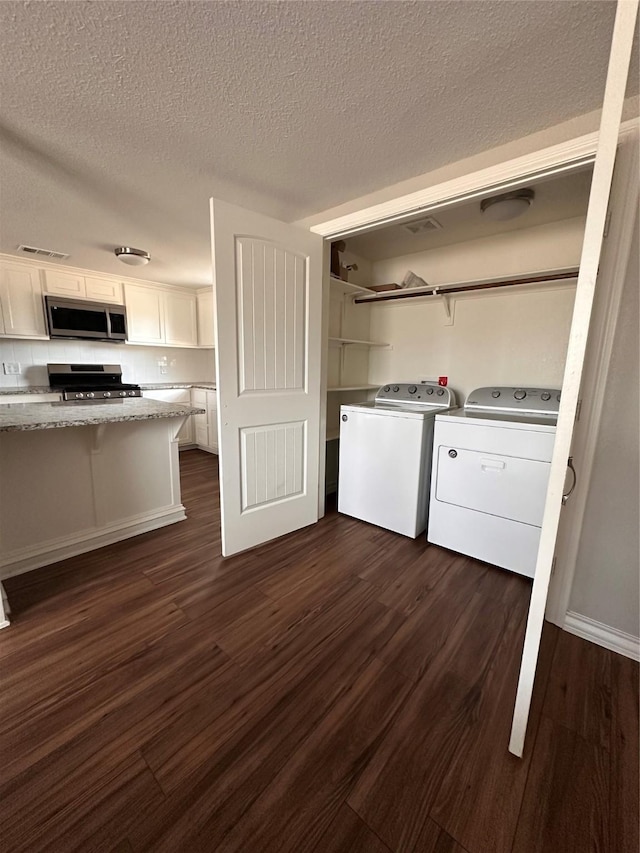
x=492, y=465
x=568, y=494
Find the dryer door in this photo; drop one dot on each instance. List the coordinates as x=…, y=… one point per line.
x=498, y=485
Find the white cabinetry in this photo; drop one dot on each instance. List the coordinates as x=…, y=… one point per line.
x=77, y=286
x=180, y=319
x=206, y=318
x=161, y=316
x=206, y=426
x=175, y=395
x=21, y=304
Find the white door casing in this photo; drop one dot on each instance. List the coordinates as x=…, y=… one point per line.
x=622, y=42
x=268, y=297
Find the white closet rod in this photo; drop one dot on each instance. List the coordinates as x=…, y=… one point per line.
x=444, y=290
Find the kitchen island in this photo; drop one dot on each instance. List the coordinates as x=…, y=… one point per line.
x=76, y=477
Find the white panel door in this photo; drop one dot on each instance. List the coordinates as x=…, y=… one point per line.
x=268, y=296
x=21, y=302
x=180, y=319
x=623, y=35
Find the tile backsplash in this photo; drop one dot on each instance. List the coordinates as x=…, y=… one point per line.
x=139, y=363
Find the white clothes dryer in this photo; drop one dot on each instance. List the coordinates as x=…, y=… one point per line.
x=385, y=455
x=491, y=462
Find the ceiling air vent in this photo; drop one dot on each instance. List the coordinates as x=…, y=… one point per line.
x=421, y=226
x=46, y=253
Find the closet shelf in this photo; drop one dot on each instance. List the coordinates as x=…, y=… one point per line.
x=347, y=287
x=540, y=277
x=338, y=388
x=351, y=341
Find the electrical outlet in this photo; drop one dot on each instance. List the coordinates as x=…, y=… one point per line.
x=11, y=368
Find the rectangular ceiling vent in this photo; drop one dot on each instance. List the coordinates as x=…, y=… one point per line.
x=46, y=253
x=421, y=226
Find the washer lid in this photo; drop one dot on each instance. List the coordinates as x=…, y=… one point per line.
x=390, y=410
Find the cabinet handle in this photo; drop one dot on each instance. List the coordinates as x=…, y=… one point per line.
x=568, y=494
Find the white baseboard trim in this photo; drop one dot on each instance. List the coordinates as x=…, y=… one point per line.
x=603, y=635
x=26, y=559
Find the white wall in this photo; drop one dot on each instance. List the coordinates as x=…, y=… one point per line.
x=503, y=337
x=139, y=363
x=606, y=586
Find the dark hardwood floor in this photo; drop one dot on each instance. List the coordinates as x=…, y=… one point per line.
x=341, y=690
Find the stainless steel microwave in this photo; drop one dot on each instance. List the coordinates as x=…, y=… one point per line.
x=79, y=318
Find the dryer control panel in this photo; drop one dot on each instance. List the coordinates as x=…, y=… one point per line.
x=423, y=394
x=512, y=400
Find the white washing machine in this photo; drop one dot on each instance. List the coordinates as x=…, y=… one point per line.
x=491, y=464
x=385, y=455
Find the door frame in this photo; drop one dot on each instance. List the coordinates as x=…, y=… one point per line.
x=564, y=157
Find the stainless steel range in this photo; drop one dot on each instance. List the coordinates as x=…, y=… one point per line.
x=90, y=383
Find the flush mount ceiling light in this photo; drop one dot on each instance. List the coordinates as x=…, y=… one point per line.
x=499, y=208
x=132, y=257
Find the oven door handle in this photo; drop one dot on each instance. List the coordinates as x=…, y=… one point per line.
x=568, y=494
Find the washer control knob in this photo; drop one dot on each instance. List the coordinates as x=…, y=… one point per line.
x=345, y=417
x=545, y=396
x=412, y=389
x=519, y=394
x=132, y=393
x=80, y=396
x=386, y=388
x=429, y=390
x=123, y=393
x=396, y=388
x=453, y=453
x=440, y=392
x=558, y=397
x=90, y=395
x=107, y=393
x=495, y=394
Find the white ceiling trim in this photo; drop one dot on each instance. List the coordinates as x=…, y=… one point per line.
x=556, y=159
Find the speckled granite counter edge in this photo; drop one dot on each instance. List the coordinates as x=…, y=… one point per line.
x=21, y=417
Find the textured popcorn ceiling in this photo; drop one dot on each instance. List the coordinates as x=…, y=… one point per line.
x=120, y=119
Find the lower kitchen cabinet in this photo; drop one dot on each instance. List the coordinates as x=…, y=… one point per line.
x=176, y=395
x=206, y=426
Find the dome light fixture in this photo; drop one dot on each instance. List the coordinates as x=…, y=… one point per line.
x=499, y=208
x=132, y=257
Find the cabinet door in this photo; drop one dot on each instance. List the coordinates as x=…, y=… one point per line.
x=144, y=314
x=104, y=290
x=64, y=284
x=206, y=331
x=212, y=419
x=180, y=320
x=200, y=422
x=21, y=302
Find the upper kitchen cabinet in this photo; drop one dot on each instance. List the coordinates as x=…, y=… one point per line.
x=77, y=286
x=21, y=304
x=180, y=319
x=206, y=324
x=161, y=316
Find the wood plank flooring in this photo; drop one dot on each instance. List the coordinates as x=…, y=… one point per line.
x=341, y=690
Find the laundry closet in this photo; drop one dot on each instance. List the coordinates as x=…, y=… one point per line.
x=495, y=307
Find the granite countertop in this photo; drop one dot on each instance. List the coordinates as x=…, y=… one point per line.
x=166, y=386
x=16, y=417
x=148, y=386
